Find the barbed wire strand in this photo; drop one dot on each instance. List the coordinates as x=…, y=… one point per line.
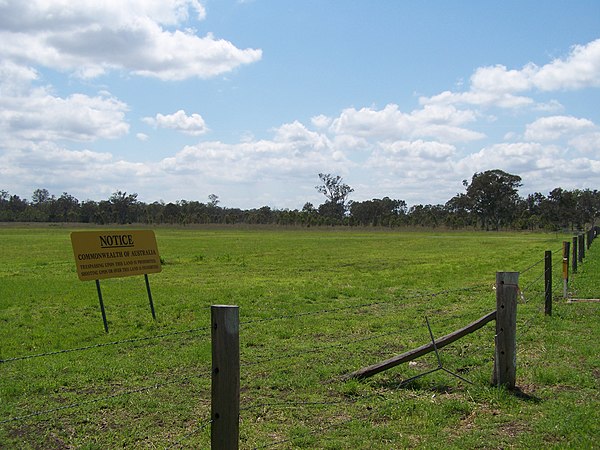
x=527, y=286
x=532, y=266
x=330, y=426
x=289, y=404
x=558, y=261
x=196, y=430
x=318, y=349
x=268, y=319
x=100, y=399
x=362, y=305
x=104, y=344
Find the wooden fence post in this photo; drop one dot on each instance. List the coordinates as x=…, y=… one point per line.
x=225, y=389
x=574, y=259
x=548, y=283
x=505, y=360
x=581, y=247
x=566, y=253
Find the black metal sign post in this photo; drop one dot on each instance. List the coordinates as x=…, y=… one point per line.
x=102, y=306
x=102, y=301
x=150, y=296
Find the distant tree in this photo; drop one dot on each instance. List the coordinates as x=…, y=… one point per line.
x=42, y=206
x=427, y=215
x=172, y=213
x=493, y=196
x=588, y=206
x=40, y=196
x=17, y=205
x=333, y=188
x=213, y=200
x=88, y=211
x=66, y=208
x=458, y=210
x=123, y=206
x=385, y=212
x=560, y=208
x=5, y=214
x=336, y=192
x=530, y=212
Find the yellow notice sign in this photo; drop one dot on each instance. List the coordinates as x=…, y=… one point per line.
x=110, y=254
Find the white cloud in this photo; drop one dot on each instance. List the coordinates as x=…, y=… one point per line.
x=499, y=86
x=407, y=169
x=440, y=122
x=193, y=125
x=588, y=143
x=15, y=79
x=293, y=149
x=555, y=127
x=298, y=137
x=90, y=38
x=321, y=121
x=428, y=151
x=35, y=114
x=478, y=98
x=580, y=69
x=516, y=157
x=59, y=14
x=87, y=174
x=498, y=79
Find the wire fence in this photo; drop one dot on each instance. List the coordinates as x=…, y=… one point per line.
x=299, y=352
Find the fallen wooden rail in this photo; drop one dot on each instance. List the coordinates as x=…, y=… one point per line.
x=369, y=371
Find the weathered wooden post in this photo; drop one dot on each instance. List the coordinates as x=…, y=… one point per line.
x=548, y=283
x=505, y=360
x=575, y=252
x=225, y=406
x=581, y=247
x=566, y=253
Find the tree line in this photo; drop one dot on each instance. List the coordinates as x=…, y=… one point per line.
x=490, y=201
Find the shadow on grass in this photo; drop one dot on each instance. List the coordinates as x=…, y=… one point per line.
x=421, y=384
x=522, y=395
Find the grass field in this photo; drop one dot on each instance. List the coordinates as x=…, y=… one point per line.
x=315, y=304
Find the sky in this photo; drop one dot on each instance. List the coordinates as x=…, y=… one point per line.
x=251, y=99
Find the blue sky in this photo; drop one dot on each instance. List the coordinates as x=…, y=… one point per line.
x=250, y=100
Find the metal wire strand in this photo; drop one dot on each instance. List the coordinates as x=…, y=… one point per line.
x=105, y=344
x=196, y=430
x=319, y=349
x=532, y=266
x=328, y=427
x=98, y=400
x=363, y=305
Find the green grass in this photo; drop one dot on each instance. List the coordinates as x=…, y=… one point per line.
x=315, y=304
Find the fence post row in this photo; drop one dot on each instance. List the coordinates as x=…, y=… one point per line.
x=505, y=358
x=225, y=388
